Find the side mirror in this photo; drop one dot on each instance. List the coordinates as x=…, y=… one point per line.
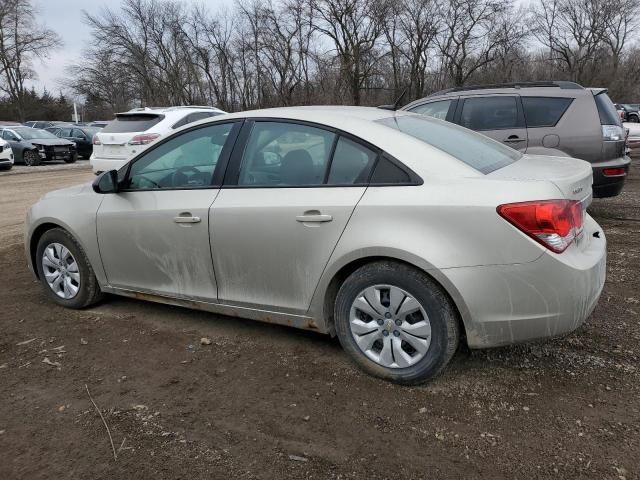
x=106, y=182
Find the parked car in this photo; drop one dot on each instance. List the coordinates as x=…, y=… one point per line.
x=6, y=155
x=630, y=112
x=633, y=136
x=401, y=234
x=32, y=145
x=42, y=124
x=131, y=132
x=99, y=123
x=80, y=135
x=544, y=118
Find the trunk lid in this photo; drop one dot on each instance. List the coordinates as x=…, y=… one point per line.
x=573, y=177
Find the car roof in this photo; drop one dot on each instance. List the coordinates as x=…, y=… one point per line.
x=361, y=123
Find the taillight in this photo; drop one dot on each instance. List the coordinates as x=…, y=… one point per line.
x=552, y=223
x=614, y=172
x=612, y=133
x=96, y=140
x=143, y=138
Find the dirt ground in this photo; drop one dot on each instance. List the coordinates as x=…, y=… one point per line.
x=264, y=401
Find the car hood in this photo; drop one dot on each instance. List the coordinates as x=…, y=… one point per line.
x=49, y=141
x=73, y=191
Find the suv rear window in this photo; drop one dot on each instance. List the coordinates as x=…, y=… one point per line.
x=544, y=111
x=474, y=149
x=606, y=110
x=137, y=122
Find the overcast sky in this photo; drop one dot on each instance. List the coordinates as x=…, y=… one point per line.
x=65, y=18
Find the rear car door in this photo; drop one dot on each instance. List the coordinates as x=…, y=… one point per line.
x=154, y=234
x=497, y=116
x=288, y=195
x=82, y=141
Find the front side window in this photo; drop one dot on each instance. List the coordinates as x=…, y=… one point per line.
x=65, y=132
x=489, y=113
x=544, y=111
x=437, y=110
x=285, y=154
x=185, y=161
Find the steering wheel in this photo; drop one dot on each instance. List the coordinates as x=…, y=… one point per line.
x=179, y=177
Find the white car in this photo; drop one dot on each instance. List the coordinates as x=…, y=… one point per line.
x=132, y=131
x=6, y=155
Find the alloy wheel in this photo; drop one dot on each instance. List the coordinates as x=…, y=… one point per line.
x=61, y=270
x=390, y=326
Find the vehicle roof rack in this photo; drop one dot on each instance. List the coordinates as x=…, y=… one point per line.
x=565, y=85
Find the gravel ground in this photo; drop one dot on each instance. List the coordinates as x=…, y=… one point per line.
x=263, y=401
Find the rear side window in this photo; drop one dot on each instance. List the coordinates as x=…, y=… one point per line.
x=490, y=113
x=543, y=111
x=351, y=163
x=129, y=123
x=606, y=110
x=434, y=109
x=474, y=149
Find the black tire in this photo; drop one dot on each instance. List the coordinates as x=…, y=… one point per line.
x=71, y=159
x=89, y=291
x=31, y=158
x=442, y=315
x=6, y=167
x=634, y=119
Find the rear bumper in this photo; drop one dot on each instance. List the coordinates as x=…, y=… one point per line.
x=609, y=186
x=100, y=165
x=550, y=296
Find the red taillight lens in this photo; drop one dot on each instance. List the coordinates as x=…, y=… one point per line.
x=96, y=140
x=613, y=172
x=143, y=139
x=553, y=223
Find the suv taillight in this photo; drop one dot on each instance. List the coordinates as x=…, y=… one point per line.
x=143, y=138
x=612, y=133
x=552, y=223
x=96, y=140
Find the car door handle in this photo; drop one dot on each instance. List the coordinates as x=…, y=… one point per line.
x=317, y=217
x=186, y=218
x=514, y=139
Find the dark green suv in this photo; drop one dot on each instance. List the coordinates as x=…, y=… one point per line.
x=560, y=119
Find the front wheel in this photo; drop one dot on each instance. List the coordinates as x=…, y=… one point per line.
x=72, y=159
x=64, y=270
x=396, y=322
x=634, y=119
x=31, y=158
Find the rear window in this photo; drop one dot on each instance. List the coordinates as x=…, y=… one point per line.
x=132, y=123
x=606, y=110
x=544, y=111
x=474, y=149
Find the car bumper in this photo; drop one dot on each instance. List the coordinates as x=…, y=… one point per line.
x=550, y=296
x=609, y=186
x=6, y=157
x=100, y=165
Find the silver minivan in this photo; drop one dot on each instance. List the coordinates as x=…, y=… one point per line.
x=558, y=118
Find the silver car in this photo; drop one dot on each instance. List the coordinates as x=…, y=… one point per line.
x=401, y=234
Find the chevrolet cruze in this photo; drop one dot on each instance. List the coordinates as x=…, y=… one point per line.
x=401, y=234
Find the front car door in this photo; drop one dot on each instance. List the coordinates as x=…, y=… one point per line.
x=497, y=116
x=154, y=234
x=288, y=195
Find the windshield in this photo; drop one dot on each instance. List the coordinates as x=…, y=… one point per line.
x=606, y=110
x=474, y=149
x=132, y=123
x=33, y=133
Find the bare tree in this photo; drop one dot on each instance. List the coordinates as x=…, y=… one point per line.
x=22, y=41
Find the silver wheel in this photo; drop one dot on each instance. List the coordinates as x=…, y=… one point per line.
x=390, y=326
x=61, y=270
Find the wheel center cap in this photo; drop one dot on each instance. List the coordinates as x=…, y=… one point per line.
x=389, y=325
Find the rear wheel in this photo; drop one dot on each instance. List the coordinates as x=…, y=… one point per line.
x=634, y=119
x=31, y=158
x=64, y=270
x=396, y=322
